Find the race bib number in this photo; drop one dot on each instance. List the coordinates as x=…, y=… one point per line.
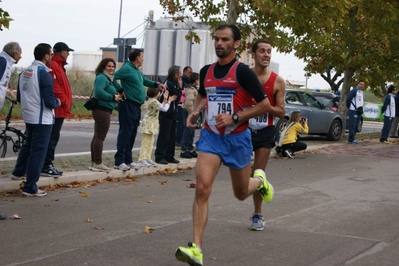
x=259, y=122
x=218, y=104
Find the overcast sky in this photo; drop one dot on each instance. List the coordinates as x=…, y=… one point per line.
x=87, y=25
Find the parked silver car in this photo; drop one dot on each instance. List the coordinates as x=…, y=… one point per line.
x=321, y=120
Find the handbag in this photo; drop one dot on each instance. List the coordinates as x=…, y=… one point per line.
x=359, y=110
x=91, y=103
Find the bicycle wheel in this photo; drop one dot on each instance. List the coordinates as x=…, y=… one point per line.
x=3, y=146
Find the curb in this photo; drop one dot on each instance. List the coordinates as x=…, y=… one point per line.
x=87, y=175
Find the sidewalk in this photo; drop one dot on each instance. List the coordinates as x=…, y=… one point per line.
x=7, y=184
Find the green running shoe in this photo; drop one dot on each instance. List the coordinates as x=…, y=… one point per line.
x=266, y=190
x=191, y=254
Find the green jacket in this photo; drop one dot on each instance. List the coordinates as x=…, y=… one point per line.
x=104, y=91
x=133, y=82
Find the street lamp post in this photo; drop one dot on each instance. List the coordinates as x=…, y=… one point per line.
x=119, y=31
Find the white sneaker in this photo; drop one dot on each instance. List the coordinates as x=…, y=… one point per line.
x=14, y=177
x=151, y=162
x=122, y=167
x=144, y=163
x=39, y=193
x=135, y=165
x=100, y=168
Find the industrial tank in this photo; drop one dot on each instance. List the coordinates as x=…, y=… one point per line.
x=167, y=43
x=163, y=23
x=151, y=49
x=200, y=50
x=182, y=49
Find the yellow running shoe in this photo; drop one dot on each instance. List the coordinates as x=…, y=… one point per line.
x=266, y=190
x=191, y=254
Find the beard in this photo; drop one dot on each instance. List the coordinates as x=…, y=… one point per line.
x=221, y=52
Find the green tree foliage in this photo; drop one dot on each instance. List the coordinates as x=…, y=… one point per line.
x=342, y=40
x=4, y=19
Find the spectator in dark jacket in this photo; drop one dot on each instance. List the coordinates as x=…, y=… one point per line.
x=181, y=122
x=165, y=148
x=388, y=111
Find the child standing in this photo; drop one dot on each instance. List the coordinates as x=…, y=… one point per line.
x=187, y=149
x=150, y=124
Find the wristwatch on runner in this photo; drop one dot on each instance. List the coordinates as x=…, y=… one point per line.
x=235, y=118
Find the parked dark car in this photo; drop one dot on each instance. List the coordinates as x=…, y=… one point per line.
x=331, y=101
x=321, y=120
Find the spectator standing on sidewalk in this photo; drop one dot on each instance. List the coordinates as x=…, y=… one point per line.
x=165, y=148
x=62, y=91
x=354, y=100
x=187, y=149
x=106, y=92
x=36, y=95
x=388, y=111
x=129, y=111
x=263, y=128
x=297, y=125
x=181, y=122
x=150, y=124
x=393, y=133
x=10, y=55
x=230, y=85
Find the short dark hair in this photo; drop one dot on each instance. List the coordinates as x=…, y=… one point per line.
x=152, y=92
x=193, y=77
x=101, y=66
x=186, y=68
x=41, y=50
x=234, y=29
x=134, y=54
x=391, y=88
x=256, y=44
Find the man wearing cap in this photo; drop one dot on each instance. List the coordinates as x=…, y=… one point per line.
x=62, y=91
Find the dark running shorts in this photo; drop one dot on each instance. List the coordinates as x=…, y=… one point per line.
x=263, y=138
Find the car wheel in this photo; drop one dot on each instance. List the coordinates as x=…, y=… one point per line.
x=335, y=130
x=280, y=126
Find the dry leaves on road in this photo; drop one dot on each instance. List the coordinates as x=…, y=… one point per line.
x=148, y=229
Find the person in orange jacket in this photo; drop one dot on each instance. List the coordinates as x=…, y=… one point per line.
x=62, y=91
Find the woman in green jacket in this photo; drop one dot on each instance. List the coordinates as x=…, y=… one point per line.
x=106, y=92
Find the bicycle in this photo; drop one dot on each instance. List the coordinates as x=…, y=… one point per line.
x=4, y=137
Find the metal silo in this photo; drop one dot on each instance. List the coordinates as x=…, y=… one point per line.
x=167, y=43
x=200, y=50
x=151, y=43
x=182, y=49
x=163, y=23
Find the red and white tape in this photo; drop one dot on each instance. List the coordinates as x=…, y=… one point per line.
x=73, y=96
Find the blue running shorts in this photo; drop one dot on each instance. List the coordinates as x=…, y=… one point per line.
x=235, y=150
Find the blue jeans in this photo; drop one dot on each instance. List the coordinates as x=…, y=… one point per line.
x=386, y=128
x=354, y=119
x=32, y=154
x=188, y=135
x=129, y=115
x=54, y=138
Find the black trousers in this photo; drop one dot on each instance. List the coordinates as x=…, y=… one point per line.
x=294, y=147
x=165, y=148
x=54, y=138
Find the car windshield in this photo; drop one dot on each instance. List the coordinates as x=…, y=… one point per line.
x=310, y=100
x=323, y=99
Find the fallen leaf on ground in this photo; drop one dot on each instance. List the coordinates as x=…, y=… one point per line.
x=89, y=220
x=148, y=230
x=149, y=201
x=84, y=194
x=192, y=185
x=99, y=228
x=163, y=182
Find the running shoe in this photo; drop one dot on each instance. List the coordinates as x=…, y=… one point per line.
x=39, y=193
x=258, y=223
x=191, y=254
x=100, y=168
x=151, y=162
x=122, y=167
x=289, y=154
x=14, y=177
x=266, y=190
x=50, y=171
x=134, y=165
x=144, y=163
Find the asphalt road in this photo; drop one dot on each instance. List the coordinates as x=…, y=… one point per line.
x=334, y=206
x=76, y=136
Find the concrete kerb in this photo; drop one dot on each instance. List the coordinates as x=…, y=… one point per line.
x=87, y=175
